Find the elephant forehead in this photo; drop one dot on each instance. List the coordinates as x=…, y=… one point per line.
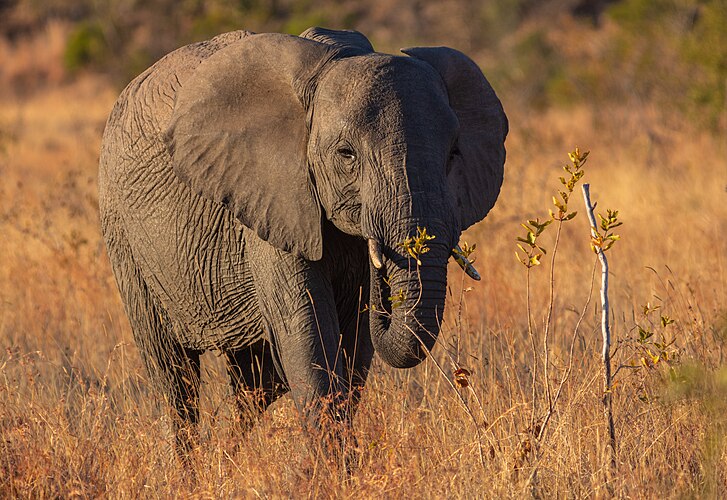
x=383, y=91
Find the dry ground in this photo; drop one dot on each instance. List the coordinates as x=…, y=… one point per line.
x=77, y=419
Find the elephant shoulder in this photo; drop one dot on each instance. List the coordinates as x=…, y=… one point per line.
x=149, y=98
x=132, y=136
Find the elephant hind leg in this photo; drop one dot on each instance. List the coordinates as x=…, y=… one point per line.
x=174, y=371
x=180, y=380
x=255, y=381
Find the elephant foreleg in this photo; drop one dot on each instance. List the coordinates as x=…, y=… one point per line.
x=296, y=300
x=358, y=352
x=255, y=381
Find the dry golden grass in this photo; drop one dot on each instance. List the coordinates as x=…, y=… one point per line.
x=77, y=418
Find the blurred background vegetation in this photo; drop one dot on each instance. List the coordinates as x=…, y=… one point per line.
x=641, y=83
x=541, y=54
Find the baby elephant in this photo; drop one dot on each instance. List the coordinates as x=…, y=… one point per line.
x=272, y=197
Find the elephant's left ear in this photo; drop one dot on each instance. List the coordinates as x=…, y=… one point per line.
x=476, y=173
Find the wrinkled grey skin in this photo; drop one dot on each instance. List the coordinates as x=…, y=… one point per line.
x=240, y=179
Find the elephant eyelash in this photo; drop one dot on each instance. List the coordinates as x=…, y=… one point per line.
x=347, y=153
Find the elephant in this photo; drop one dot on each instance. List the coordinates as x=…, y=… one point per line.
x=257, y=192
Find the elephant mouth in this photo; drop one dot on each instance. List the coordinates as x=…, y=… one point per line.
x=380, y=303
x=460, y=257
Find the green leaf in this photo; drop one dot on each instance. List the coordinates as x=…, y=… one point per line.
x=644, y=335
x=666, y=321
x=558, y=204
x=648, y=309
x=466, y=249
x=397, y=299
x=524, y=240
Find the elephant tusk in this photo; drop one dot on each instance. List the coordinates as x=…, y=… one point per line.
x=375, y=253
x=465, y=264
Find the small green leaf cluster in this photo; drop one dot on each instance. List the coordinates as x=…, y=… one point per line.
x=530, y=250
x=416, y=246
x=466, y=250
x=531, y=256
x=575, y=169
x=655, y=349
x=398, y=299
x=604, y=236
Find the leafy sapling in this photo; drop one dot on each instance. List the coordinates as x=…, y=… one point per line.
x=416, y=246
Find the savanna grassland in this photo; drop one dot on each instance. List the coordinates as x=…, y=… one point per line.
x=77, y=418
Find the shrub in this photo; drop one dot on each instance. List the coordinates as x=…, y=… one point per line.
x=86, y=46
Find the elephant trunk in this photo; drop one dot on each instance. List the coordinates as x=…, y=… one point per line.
x=408, y=299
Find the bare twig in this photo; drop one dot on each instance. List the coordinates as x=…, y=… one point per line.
x=605, y=328
x=461, y=399
x=534, y=348
x=568, y=371
x=548, y=320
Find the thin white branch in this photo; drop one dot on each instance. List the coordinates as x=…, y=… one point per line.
x=605, y=327
x=605, y=331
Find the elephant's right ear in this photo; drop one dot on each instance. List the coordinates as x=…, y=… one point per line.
x=238, y=136
x=476, y=173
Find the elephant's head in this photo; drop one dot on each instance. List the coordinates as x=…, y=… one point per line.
x=286, y=130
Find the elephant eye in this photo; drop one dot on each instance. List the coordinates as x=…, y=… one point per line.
x=347, y=153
